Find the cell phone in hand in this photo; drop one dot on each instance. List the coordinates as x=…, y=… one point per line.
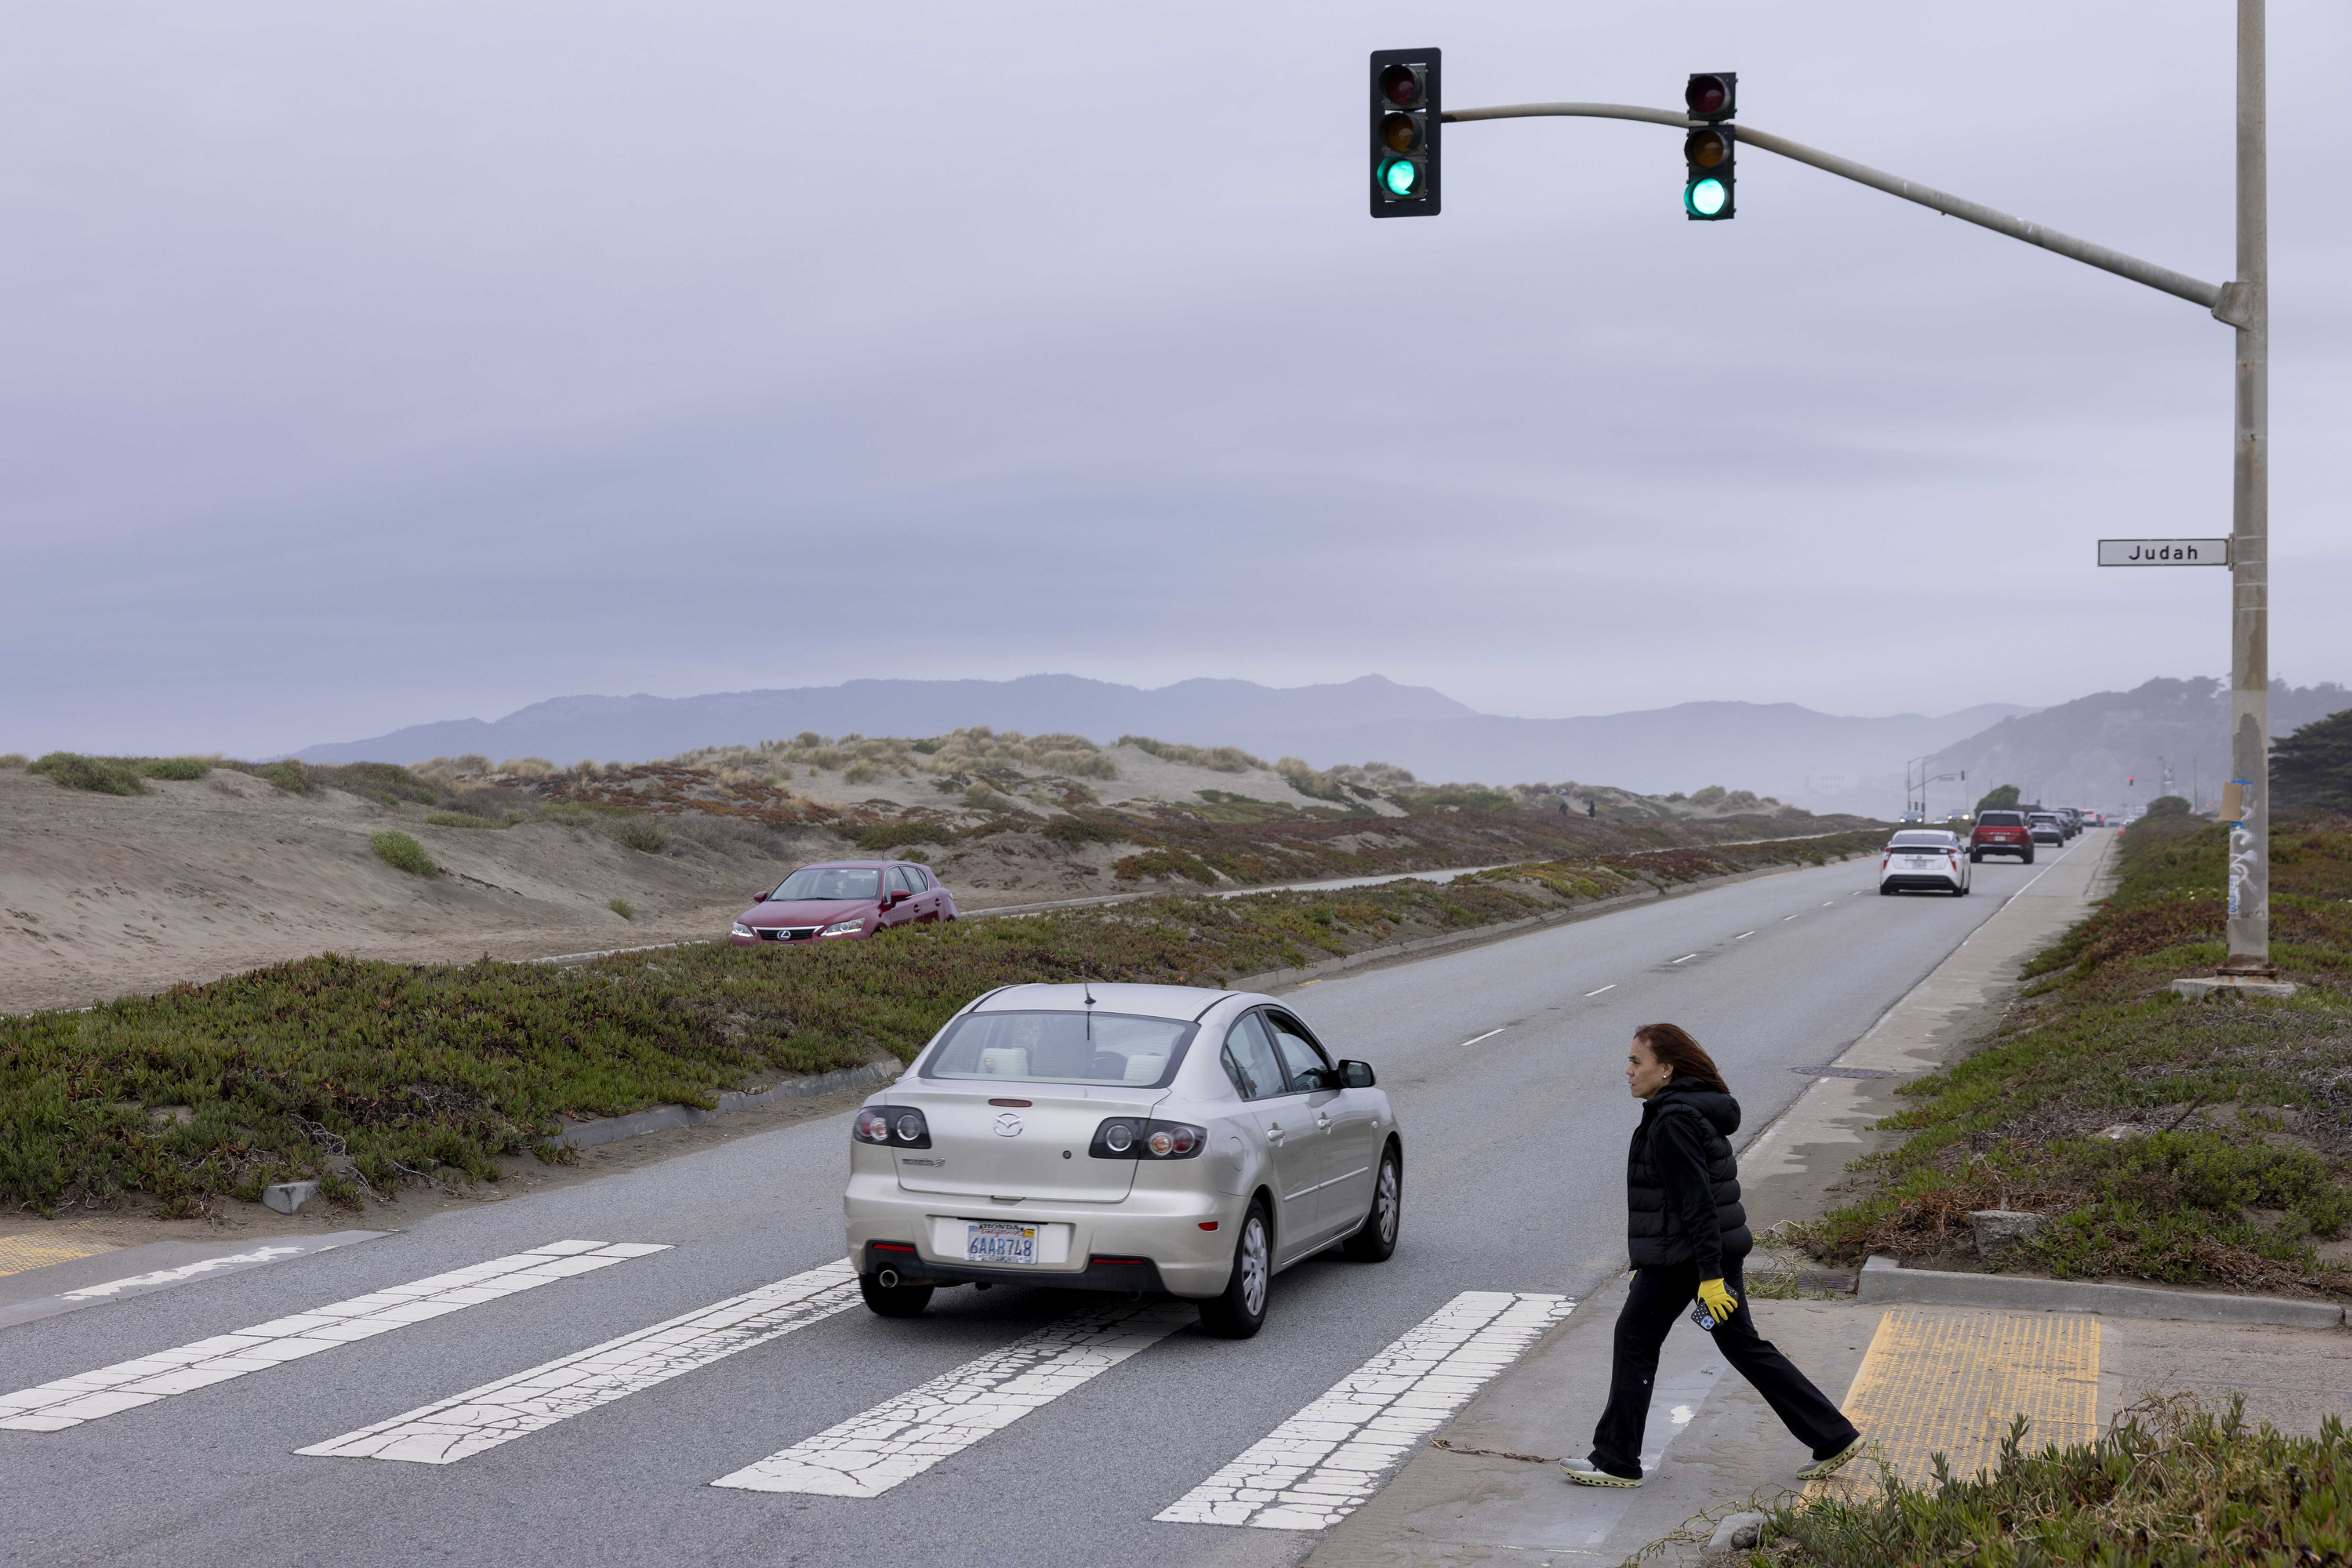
x=1702, y=1317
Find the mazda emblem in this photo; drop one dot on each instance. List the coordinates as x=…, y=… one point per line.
x=1008, y=1126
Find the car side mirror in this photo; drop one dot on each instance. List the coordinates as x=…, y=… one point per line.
x=892, y=900
x=1356, y=1075
x=760, y=898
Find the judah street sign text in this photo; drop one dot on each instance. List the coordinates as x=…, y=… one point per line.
x=2164, y=553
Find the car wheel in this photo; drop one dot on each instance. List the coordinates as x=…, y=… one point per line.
x=1886, y=893
x=893, y=1300
x=1240, y=1311
x=2029, y=857
x=1975, y=858
x=1376, y=1238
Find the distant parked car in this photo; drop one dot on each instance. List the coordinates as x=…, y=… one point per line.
x=1926, y=860
x=845, y=898
x=2045, y=828
x=2001, y=833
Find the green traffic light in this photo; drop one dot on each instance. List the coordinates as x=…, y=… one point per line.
x=1705, y=197
x=1400, y=177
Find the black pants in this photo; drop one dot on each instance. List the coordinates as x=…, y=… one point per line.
x=1660, y=1296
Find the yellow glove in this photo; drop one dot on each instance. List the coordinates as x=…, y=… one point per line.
x=1720, y=1302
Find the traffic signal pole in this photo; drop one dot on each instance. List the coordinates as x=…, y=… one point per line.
x=2243, y=305
x=2250, y=526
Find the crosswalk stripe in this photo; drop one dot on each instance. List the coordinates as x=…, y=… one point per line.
x=867, y=1455
x=450, y=1429
x=126, y=1385
x=1316, y=1468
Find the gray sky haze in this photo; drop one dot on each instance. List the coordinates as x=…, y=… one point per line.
x=362, y=367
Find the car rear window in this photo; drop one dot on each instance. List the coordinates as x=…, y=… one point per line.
x=1920, y=843
x=828, y=882
x=1083, y=1047
x=2001, y=819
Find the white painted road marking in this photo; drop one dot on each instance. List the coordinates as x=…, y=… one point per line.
x=1488, y=1035
x=1611, y=987
x=69, y=1402
x=1316, y=1468
x=1743, y=936
x=867, y=1455
x=1685, y=958
x=1793, y=917
x=449, y=1430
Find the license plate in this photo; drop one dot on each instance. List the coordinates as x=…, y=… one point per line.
x=990, y=1241
x=1920, y=863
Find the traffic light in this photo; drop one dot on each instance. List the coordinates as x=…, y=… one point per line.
x=1404, y=133
x=1709, y=151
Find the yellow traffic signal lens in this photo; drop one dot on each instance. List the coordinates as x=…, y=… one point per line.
x=1399, y=133
x=1705, y=197
x=1400, y=85
x=1708, y=149
x=1401, y=178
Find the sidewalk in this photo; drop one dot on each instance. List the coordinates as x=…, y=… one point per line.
x=1917, y=1379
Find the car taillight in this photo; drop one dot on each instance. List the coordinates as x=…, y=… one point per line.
x=900, y=1129
x=1132, y=1138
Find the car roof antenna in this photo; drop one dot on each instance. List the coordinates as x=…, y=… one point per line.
x=1089, y=986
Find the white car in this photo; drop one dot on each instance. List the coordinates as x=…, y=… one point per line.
x=1927, y=859
x=1120, y=1138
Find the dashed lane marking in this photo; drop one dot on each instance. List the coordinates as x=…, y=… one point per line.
x=900, y=1438
x=466, y=1424
x=71, y=1401
x=1611, y=987
x=1685, y=958
x=1743, y=936
x=1319, y=1465
x=1793, y=917
x=1488, y=1035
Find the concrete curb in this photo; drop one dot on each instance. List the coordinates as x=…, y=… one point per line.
x=1428, y=945
x=1886, y=1280
x=662, y=1117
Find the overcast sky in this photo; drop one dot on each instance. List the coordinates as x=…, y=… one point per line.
x=365, y=366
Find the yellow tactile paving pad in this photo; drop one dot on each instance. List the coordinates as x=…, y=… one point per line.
x=59, y=1243
x=1950, y=1380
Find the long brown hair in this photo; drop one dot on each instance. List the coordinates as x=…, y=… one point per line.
x=1672, y=1046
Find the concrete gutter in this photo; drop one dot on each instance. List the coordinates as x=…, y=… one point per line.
x=1884, y=1280
x=662, y=1117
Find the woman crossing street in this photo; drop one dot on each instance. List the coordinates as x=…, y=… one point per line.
x=1687, y=1234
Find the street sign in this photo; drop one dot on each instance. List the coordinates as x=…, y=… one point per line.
x=2164, y=553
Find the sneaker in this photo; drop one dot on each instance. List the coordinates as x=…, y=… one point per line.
x=1584, y=1474
x=1821, y=1468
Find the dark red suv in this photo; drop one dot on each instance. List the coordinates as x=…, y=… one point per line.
x=2001, y=833
x=838, y=899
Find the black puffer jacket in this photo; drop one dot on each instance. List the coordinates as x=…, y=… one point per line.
x=1682, y=1183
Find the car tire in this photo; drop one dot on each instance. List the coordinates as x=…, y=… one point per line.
x=893, y=1300
x=1884, y=891
x=1376, y=1238
x=2029, y=857
x=1975, y=858
x=1239, y=1311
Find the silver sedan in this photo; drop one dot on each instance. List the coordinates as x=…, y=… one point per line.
x=1121, y=1138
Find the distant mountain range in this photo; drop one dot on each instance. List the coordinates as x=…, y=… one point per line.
x=2086, y=753
x=1777, y=749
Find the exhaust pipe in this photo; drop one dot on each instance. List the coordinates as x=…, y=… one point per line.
x=888, y=1279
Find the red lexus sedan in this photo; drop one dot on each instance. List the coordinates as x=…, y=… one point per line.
x=840, y=899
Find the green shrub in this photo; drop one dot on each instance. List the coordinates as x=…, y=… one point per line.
x=570, y=813
x=182, y=768
x=2169, y=805
x=289, y=775
x=642, y=835
x=386, y=781
x=461, y=819
x=2186, y=1486
x=12, y=759
x=101, y=775
x=623, y=908
x=402, y=852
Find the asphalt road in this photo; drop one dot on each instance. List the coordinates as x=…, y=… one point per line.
x=1504, y=1062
